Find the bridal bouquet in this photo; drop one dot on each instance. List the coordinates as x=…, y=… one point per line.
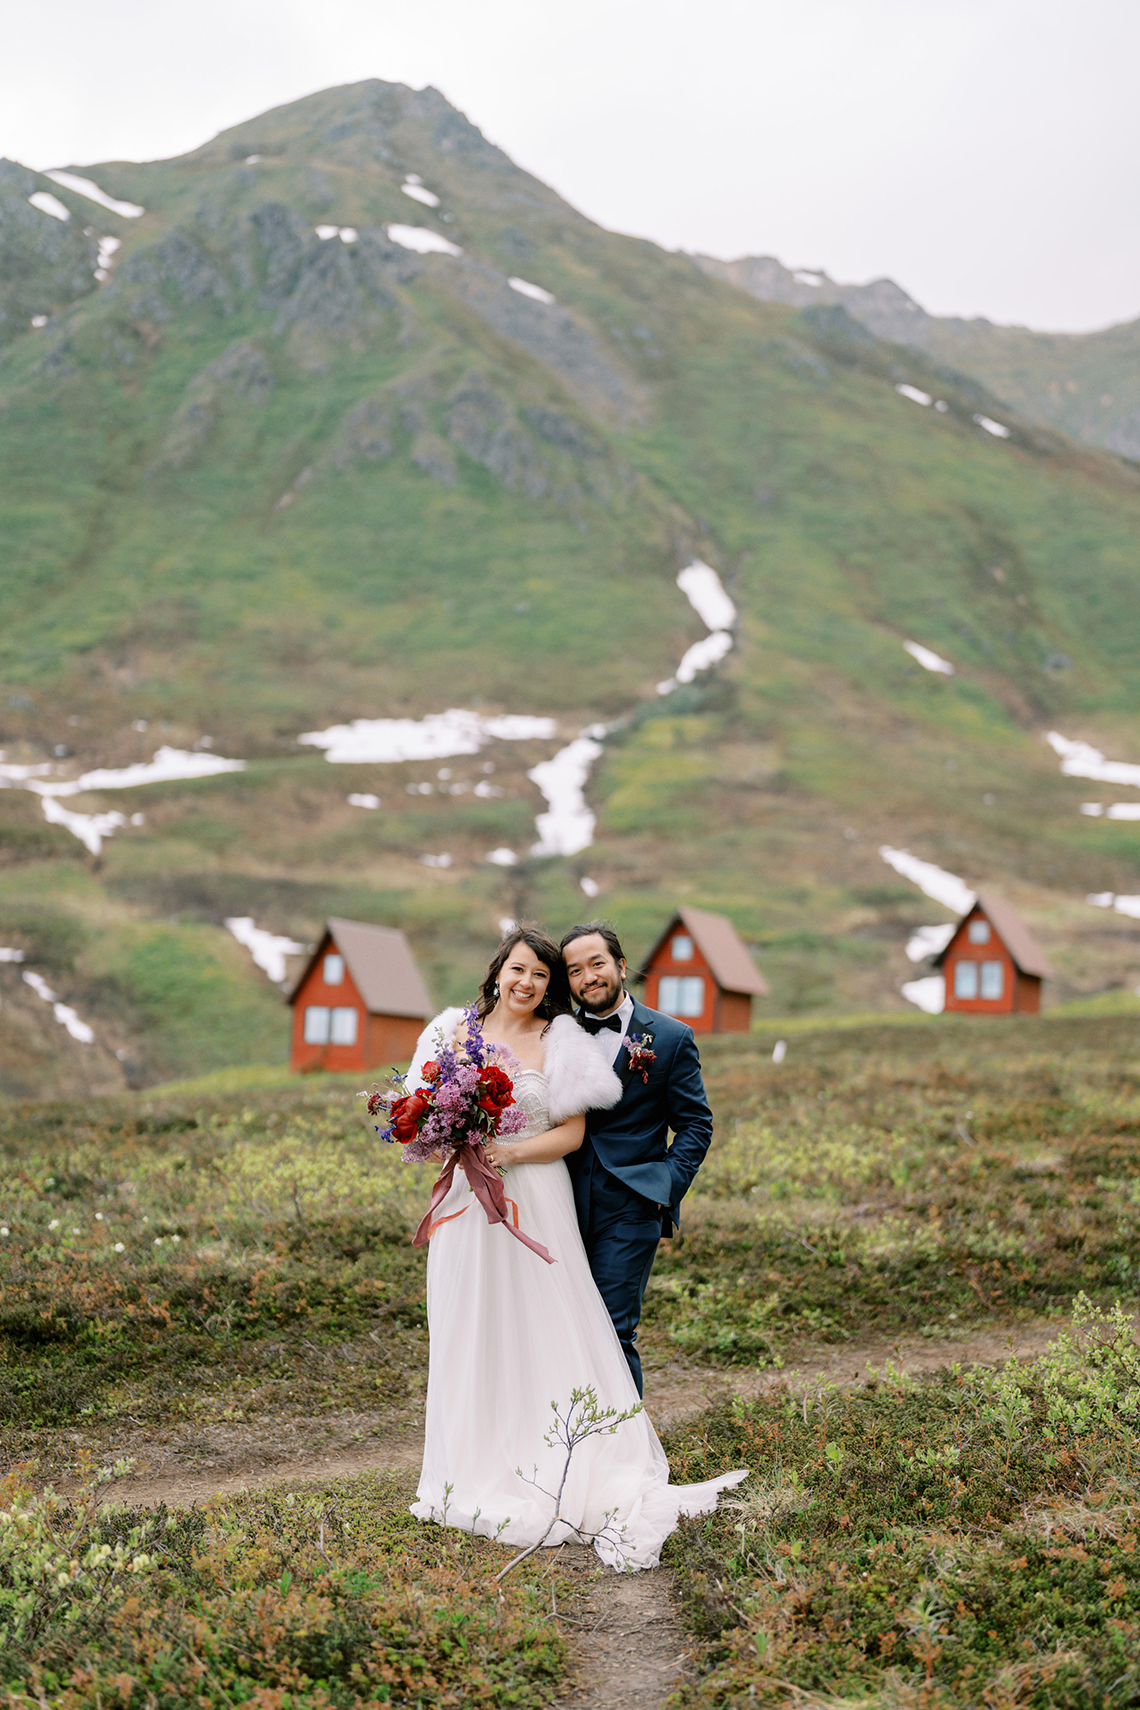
x=467, y=1099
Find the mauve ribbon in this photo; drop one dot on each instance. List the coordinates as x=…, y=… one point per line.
x=486, y=1185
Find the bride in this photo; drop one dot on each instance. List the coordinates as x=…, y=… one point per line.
x=511, y=1337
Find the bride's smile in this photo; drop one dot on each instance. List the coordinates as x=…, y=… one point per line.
x=523, y=980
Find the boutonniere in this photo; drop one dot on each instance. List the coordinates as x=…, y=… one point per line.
x=641, y=1054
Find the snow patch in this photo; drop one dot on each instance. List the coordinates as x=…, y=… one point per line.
x=935, y=882
x=1082, y=760
x=503, y=858
x=699, y=657
x=267, y=948
x=928, y=660
x=363, y=800
x=526, y=289
x=422, y=240
x=326, y=232
x=590, y=887
x=1114, y=810
x=996, y=428
x=443, y=860
x=90, y=828
x=108, y=246
x=568, y=827
x=928, y=994
x=349, y=234
x=168, y=765
x=63, y=1012
x=805, y=276
x=703, y=589
x=927, y=941
x=1123, y=905
x=386, y=740
x=84, y=187
x=779, y=1050
x=915, y=396
x=419, y=192
x=9, y=955
x=49, y=204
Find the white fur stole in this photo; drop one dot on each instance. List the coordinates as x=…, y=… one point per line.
x=580, y=1079
x=579, y=1076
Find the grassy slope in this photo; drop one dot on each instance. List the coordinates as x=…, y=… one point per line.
x=141, y=494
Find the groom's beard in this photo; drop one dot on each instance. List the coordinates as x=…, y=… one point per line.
x=602, y=1000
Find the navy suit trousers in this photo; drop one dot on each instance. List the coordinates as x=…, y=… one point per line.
x=621, y=1244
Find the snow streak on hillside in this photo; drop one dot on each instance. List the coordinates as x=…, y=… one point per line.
x=383, y=741
x=565, y=828
x=953, y=893
x=1082, y=760
x=267, y=948
x=85, y=187
x=929, y=992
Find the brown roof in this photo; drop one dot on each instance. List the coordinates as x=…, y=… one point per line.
x=382, y=967
x=1013, y=932
x=722, y=948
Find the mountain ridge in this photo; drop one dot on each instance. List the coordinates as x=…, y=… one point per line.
x=1056, y=379
x=297, y=463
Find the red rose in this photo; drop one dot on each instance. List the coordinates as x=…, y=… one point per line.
x=406, y=1114
x=431, y=1072
x=496, y=1086
x=489, y=1105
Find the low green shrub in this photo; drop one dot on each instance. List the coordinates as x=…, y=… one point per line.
x=327, y=1598
x=959, y=1542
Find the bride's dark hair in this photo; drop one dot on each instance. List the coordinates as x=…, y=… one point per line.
x=556, y=999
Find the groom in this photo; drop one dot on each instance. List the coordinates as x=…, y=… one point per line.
x=628, y=1185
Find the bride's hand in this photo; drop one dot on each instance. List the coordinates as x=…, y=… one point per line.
x=495, y=1155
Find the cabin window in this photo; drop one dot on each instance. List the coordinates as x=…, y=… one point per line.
x=965, y=979
x=334, y=970
x=681, y=996
x=342, y=1028
x=978, y=932
x=993, y=979
x=317, y=1024
x=682, y=948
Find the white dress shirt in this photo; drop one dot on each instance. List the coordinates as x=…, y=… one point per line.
x=608, y=1041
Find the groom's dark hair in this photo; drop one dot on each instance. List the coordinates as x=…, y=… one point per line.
x=604, y=931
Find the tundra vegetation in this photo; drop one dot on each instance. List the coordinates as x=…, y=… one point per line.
x=194, y=1268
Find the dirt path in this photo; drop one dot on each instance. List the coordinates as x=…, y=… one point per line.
x=672, y=1392
x=630, y=1647
x=629, y=1642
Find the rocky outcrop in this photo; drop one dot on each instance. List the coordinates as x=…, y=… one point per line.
x=46, y=264
x=241, y=375
x=550, y=333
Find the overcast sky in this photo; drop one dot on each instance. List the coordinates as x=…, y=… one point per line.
x=980, y=152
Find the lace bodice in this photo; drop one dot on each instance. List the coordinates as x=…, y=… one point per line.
x=532, y=1092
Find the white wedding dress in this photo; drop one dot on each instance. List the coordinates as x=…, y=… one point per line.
x=510, y=1335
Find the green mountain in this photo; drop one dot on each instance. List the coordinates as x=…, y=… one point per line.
x=291, y=464
x=1086, y=384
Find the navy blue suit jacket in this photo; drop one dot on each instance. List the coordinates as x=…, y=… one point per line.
x=630, y=1140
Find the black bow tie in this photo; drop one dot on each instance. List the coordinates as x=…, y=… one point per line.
x=595, y=1023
